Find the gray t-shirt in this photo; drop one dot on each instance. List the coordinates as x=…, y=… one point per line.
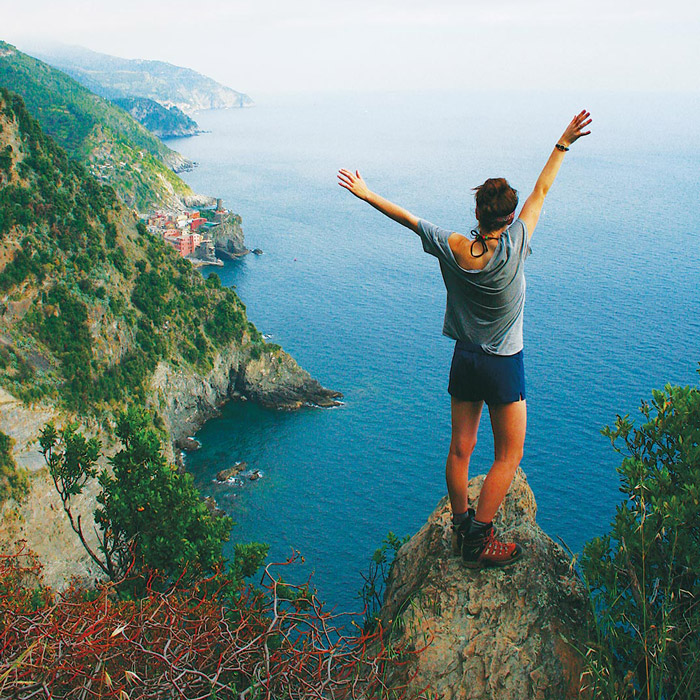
x=486, y=306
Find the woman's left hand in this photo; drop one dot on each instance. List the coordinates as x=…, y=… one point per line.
x=575, y=130
x=353, y=183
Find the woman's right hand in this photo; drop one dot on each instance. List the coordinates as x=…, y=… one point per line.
x=575, y=130
x=354, y=183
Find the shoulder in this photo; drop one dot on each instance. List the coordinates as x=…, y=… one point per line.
x=461, y=248
x=518, y=231
x=520, y=236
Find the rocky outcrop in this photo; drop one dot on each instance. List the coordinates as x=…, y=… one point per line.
x=199, y=200
x=505, y=634
x=274, y=379
x=230, y=472
x=228, y=237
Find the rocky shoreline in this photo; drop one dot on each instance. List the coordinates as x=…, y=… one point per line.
x=275, y=380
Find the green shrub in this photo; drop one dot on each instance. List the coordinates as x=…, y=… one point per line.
x=23, y=264
x=372, y=592
x=644, y=576
x=14, y=481
x=6, y=159
x=63, y=327
x=150, y=515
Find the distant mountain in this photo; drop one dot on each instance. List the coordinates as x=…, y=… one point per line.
x=164, y=122
x=113, y=77
x=116, y=148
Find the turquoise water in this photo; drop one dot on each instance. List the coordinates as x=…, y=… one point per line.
x=613, y=308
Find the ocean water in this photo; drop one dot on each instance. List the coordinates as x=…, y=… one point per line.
x=613, y=308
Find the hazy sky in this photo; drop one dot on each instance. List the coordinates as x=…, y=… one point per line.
x=273, y=45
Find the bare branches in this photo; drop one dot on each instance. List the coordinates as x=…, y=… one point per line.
x=201, y=641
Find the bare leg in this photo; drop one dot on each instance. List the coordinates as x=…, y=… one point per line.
x=508, y=422
x=465, y=424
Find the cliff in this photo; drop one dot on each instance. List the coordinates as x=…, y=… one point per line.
x=492, y=634
x=164, y=122
x=95, y=314
x=113, y=146
x=170, y=85
x=183, y=399
x=228, y=237
x=274, y=379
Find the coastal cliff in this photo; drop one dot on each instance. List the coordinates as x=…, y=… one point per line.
x=162, y=121
x=491, y=634
x=110, y=143
x=228, y=237
x=185, y=400
x=97, y=314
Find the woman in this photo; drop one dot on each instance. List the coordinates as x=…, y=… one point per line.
x=485, y=284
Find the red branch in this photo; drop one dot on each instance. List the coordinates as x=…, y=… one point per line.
x=267, y=642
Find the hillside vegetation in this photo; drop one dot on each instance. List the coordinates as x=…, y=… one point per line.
x=103, y=137
x=90, y=302
x=164, y=122
x=113, y=77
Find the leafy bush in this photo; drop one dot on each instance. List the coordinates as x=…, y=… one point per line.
x=23, y=264
x=150, y=515
x=14, y=482
x=6, y=159
x=644, y=576
x=63, y=327
x=372, y=593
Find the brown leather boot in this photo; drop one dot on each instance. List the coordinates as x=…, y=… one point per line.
x=482, y=549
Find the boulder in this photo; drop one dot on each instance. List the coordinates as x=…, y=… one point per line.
x=509, y=633
x=226, y=474
x=188, y=444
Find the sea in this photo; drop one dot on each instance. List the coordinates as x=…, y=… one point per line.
x=612, y=311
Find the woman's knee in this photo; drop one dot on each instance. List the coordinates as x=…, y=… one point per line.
x=462, y=448
x=509, y=462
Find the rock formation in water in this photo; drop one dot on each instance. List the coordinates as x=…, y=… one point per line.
x=491, y=634
x=228, y=235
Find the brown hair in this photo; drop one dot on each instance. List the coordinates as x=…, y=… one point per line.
x=495, y=202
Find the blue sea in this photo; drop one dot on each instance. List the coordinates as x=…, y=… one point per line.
x=613, y=303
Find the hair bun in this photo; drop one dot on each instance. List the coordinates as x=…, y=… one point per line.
x=496, y=200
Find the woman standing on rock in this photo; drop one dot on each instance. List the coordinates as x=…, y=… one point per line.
x=485, y=281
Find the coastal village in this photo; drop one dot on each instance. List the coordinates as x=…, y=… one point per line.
x=190, y=231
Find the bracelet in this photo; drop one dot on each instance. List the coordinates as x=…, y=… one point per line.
x=560, y=147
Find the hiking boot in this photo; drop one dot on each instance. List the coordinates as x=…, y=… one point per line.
x=484, y=550
x=459, y=532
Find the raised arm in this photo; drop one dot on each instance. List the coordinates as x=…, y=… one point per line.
x=355, y=184
x=530, y=213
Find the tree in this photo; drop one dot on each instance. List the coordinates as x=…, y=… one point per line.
x=644, y=576
x=150, y=517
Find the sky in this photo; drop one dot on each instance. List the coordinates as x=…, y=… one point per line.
x=262, y=46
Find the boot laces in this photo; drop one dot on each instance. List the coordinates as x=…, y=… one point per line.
x=494, y=547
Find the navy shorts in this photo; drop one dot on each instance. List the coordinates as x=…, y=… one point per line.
x=477, y=376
